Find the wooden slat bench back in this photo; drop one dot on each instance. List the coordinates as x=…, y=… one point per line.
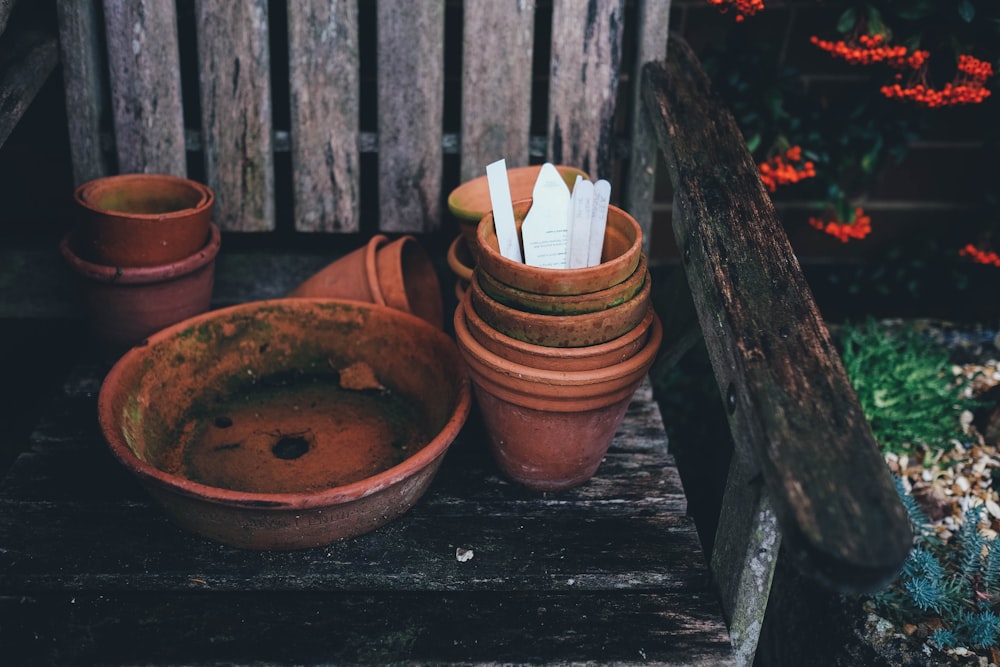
x=138, y=100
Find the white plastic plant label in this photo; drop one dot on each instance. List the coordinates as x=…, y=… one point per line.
x=545, y=229
x=503, y=210
x=598, y=221
x=579, y=226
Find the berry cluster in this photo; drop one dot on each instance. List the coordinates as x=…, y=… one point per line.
x=968, y=87
x=863, y=50
x=785, y=169
x=743, y=8
x=858, y=228
x=980, y=256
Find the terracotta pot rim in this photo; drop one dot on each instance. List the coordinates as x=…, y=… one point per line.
x=463, y=271
x=425, y=457
x=574, y=304
x=371, y=267
x=140, y=275
x=473, y=216
x=472, y=319
x=629, y=312
x=503, y=367
x=561, y=281
x=83, y=193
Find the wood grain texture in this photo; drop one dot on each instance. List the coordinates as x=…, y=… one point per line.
x=144, y=67
x=618, y=555
x=410, y=91
x=5, y=8
x=583, y=83
x=85, y=86
x=28, y=58
x=323, y=64
x=236, y=112
x=653, y=23
x=497, y=49
x=793, y=413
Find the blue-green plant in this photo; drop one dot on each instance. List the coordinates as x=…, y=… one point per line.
x=957, y=582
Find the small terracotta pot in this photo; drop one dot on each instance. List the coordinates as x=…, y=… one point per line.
x=461, y=263
x=549, y=430
x=619, y=258
x=134, y=220
x=569, y=304
x=353, y=276
x=560, y=330
x=585, y=358
x=124, y=305
x=408, y=280
x=470, y=201
x=242, y=425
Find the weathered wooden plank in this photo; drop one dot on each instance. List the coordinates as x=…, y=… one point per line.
x=496, y=83
x=583, y=83
x=236, y=112
x=323, y=64
x=5, y=7
x=792, y=412
x=744, y=557
x=26, y=62
x=653, y=22
x=363, y=627
x=144, y=66
x=85, y=86
x=410, y=111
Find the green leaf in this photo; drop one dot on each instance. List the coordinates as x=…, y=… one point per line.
x=966, y=10
x=753, y=143
x=876, y=26
x=847, y=20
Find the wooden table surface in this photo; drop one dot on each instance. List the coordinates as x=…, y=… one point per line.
x=91, y=571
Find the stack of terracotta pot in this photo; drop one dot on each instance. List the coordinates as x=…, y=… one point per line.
x=470, y=201
x=556, y=354
x=144, y=251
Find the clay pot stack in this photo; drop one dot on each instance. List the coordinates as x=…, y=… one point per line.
x=470, y=201
x=144, y=252
x=556, y=354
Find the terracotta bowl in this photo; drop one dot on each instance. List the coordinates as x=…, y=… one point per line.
x=470, y=201
x=568, y=304
x=619, y=258
x=142, y=219
x=461, y=263
x=288, y=423
x=589, y=357
x=560, y=330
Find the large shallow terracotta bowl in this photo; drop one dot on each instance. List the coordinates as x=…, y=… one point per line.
x=560, y=330
x=289, y=423
x=619, y=258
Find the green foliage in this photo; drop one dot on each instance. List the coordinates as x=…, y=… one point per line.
x=903, y=384
x=954, y=582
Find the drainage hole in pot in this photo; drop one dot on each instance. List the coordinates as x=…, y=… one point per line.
x=290, y=447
